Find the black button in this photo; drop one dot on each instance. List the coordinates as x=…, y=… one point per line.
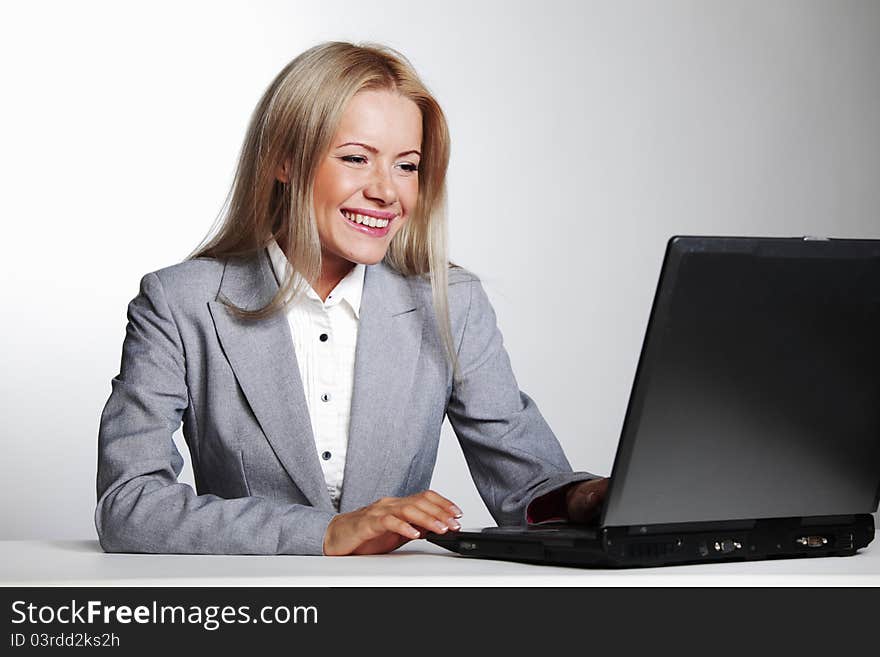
x=323, y=337
x=325, y=397
x=326, y=456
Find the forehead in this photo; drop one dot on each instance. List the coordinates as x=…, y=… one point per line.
x=383, y=119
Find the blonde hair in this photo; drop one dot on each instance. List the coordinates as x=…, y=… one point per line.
x=295, y=120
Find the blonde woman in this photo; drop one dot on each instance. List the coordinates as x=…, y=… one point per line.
x=313, y=346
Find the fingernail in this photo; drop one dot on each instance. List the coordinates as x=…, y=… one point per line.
x=457, y=511
x=453, y=524
x=439, y=526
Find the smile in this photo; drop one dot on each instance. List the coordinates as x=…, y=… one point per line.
x=366, y=220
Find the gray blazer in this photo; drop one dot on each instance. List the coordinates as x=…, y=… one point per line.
x=235, y=385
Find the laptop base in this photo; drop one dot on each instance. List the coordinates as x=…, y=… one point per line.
x=662, y=545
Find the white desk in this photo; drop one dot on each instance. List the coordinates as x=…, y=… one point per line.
x=82, y=563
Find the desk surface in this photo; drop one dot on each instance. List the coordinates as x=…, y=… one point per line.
x=82, y=563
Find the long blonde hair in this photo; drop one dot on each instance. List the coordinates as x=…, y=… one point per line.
x=295, y=120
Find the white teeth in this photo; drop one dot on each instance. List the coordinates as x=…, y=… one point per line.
x=367, y=221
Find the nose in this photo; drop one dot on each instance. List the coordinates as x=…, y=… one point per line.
x=381, y=188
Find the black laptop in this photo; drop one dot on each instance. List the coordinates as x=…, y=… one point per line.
x=753, y=424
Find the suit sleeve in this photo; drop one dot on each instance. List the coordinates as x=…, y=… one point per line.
x=141, y=505
x=513, y=455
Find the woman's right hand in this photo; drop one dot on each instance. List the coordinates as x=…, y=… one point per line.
x=388, y=523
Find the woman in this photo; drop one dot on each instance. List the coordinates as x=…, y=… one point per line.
x=314, y=345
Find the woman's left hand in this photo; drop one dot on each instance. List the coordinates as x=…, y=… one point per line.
x=584, y=500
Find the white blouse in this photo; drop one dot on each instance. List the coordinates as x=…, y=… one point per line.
x=324, y=339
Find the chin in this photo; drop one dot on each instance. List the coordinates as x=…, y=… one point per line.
x=367, y=257
x=371, y=260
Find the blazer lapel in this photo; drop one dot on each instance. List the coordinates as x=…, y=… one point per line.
x=262, y=356
x=387, y=352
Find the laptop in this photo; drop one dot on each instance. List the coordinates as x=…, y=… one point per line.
x=753, y=424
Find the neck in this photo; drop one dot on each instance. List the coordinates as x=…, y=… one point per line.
x=333, y=270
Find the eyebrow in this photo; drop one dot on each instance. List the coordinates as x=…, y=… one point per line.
x=373, y=149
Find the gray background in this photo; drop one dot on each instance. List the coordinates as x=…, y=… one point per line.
x=584, y=135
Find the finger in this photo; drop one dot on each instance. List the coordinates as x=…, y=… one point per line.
x=439, y=500
x=394, y=524
x=591, y=500
x=598, y=493
x=440, y=513
x=585, y=503
x=595, y=489
x=413, y=514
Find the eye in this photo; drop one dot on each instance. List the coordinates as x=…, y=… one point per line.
x=354, y=159
x=409, y=167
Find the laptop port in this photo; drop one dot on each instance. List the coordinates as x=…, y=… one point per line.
x=813, y=541
x=727, y=546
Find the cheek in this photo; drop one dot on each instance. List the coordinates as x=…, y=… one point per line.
x=333, y=186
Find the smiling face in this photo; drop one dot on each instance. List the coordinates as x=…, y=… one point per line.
x=368, y=183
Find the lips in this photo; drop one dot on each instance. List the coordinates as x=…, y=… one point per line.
x=366, y=212
x=361, y=223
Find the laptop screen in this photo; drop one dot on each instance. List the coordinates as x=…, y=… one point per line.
x=758, y=389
